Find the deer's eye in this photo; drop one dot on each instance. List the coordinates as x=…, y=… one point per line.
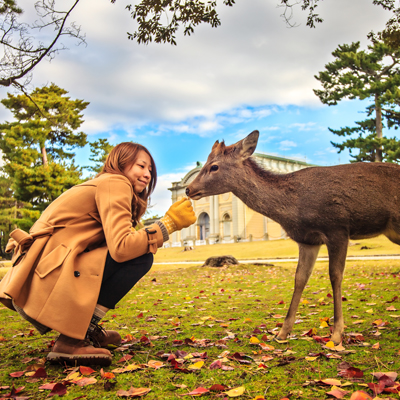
x=214, y=168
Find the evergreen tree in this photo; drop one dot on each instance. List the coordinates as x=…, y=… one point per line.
x=100, y=150
x=372, y=74
x=13, y=214
x=38, y=147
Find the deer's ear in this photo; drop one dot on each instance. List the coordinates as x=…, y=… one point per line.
x=215, y=145
x=248, y=145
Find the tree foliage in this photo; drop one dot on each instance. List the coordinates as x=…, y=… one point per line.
x=372, y=74
x=99, y=152
x=38, y=147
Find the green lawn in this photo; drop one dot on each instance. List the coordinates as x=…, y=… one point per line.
x=270, y=249
x=220, y=324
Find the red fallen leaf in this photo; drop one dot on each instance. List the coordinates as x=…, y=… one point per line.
x=106, y=375
x=17, y=374
x=189, y=341
x=376, y=387
x=181, y=353
x=386, y=381
x=394, y=389
x=338, y=393
x=328, y=295
x=281, y=302
x=309, y=333
x=86, y=370
x=140, y=315
x=360, y=395
x=197, y=392
x=88, y=381
x=177, y=343
x=351, y=372
x=319, y=339
x=217, y=364
x=48, y=386
x=391, y=375
x=145, y=340
x=124, y=358
x=58, y=390
x=40, y=373
x=394, y=299
x=14, y=392
x=218, y=388
x=257, y=331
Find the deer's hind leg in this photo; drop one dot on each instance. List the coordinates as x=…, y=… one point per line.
x=337, y=259
x=307, y=257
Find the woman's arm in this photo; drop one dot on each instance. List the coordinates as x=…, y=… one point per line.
x=113, y=198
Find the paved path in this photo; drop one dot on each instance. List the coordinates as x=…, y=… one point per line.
x=294, y=259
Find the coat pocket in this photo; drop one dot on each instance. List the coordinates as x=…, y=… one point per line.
x=52, y=261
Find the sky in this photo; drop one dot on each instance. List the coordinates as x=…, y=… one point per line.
x=252, y=72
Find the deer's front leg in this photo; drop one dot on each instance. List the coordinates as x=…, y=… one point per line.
x=337, y=259
x=307, y=257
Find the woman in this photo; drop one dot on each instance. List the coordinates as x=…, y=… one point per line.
x=83, y=255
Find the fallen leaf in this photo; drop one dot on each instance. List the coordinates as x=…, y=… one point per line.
x=133, y=392
x=337, y=392
x=360, y=395
x=197, y=365
x=236, y=392
x=197, y=392
x=85, y=381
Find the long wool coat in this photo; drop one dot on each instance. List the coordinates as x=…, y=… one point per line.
x=58, y=266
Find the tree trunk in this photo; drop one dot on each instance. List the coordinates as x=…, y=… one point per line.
x=379, y=128
x=44, y=156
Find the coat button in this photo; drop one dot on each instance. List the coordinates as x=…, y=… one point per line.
x=77, y=273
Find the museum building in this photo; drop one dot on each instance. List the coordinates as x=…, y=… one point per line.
x=225, y=218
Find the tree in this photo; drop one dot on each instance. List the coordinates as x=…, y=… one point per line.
x=100, y=150
x=372, y=74
x=38, y=147
x=22, y=48
x=13, y=214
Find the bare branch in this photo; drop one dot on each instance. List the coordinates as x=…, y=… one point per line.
x=22, y=52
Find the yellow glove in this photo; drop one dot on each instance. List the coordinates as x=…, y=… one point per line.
x=180, y=215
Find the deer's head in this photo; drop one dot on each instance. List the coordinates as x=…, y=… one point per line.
x=222, y=166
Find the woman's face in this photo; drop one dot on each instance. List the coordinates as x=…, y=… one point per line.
x=140, y=172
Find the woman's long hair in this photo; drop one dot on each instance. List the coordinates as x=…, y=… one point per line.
x=125, y=155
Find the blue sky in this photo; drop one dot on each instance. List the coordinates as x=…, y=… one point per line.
x=252, y=72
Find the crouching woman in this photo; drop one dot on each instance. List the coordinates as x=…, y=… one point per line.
x=83, y=256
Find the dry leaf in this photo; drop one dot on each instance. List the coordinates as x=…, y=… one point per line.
x=236, y=392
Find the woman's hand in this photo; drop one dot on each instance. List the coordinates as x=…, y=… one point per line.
x=180, y=215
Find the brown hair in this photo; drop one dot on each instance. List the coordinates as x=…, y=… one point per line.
x=125, y=155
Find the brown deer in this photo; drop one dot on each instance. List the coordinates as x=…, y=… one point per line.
x=315, y=206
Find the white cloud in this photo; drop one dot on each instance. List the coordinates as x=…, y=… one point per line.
x=287, y=145
x=207, y=74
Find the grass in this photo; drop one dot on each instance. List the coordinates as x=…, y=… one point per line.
x=270, y=249
x=203, y=312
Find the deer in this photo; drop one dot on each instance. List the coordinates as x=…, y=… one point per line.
x=315, y=205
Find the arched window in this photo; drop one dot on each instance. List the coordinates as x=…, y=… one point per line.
x=227, y=222
x=204, y=223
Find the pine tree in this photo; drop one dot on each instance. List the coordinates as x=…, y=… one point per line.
x=372, y=74
x=38, y=147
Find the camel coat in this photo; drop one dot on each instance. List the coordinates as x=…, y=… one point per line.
x=58, y=266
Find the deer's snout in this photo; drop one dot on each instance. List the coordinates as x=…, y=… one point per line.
x=187, y=191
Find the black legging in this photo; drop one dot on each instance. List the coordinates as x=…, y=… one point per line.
x=119, y=278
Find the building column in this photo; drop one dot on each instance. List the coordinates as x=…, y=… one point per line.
x=215, y=231
x=211, y=215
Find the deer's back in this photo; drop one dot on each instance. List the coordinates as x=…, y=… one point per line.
x=361, y=198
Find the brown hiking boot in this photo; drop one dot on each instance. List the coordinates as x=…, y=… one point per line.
x=102, y=338
x=78, y=352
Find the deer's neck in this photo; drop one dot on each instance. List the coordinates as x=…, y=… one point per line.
x=262, y=190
